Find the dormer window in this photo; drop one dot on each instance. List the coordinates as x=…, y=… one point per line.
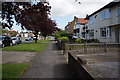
x=91, y=20
x=118, y=10
x=106, y=13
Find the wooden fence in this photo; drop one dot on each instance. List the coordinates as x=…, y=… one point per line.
x=90, y=47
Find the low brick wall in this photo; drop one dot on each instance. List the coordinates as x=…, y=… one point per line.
x=78, y=69
x=61, y=45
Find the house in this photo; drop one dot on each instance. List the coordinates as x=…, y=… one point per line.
x=70, y=26
x=27, y=34
x=5, y=32
x=76, y=27
x=104, y=24
x=67, y=27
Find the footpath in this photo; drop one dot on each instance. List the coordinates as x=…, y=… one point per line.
x=49, y=64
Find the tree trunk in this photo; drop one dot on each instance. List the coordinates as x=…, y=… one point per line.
x=36, y=39
x=44, y=38
x=36, y=35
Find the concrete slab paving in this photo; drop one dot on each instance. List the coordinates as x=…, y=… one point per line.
x=49, y=64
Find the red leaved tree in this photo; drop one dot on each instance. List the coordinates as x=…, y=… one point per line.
x=31, y=16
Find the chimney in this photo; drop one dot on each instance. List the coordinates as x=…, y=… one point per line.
x=86, y=15
x=75, y=17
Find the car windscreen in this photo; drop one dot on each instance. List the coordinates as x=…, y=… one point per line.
x=14, y=38
x=1, y=38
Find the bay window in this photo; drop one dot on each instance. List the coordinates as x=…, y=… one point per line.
x=91, y=33
x=105, y=32
x=118, y=10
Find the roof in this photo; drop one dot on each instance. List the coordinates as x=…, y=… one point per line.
x=13, y=31
x=82, y=21
x=67, y=24
x=110, y=5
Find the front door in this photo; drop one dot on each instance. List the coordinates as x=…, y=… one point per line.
x=117, y=35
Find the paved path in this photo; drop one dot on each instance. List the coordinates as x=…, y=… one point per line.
x=49, y=64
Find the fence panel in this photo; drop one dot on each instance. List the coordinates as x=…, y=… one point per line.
x=93, y=47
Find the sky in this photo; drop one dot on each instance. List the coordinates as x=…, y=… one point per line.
x=63, y=11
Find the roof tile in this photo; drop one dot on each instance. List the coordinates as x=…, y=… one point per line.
x=82, y=21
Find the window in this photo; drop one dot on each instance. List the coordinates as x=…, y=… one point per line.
x=118, y=10
x=110, y=32
x=91, y=33
x=105, y=14
x=105, y=32
x=102, y=15
x=108, y=13
x=76, y=26
x=91, y=20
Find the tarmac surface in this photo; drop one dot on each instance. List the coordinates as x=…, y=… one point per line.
x=49, y=64
x=102, y=65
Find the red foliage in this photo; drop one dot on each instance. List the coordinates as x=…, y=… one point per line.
x=31, y=16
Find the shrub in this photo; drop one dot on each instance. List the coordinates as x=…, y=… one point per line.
x=56, y=36
x=78, y=40
x=94, y=40
x=64, y=39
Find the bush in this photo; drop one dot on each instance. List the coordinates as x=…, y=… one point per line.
x=64, y=39
x=78, y=40
x=56, y=36
x=93, y=41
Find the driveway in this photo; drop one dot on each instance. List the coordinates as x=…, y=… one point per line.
x=102, y=65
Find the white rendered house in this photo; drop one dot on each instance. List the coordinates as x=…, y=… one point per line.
x=104, y=24
x=78, y=27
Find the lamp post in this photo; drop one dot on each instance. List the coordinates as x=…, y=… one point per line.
x=85, y=29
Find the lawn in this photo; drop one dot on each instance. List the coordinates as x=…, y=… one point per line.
x=13, y=70
x=27, y=47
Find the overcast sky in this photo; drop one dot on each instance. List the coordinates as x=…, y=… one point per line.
x=63, y=11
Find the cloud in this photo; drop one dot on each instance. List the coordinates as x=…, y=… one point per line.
x=70, y=7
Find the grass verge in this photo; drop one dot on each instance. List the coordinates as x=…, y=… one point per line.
x=13, y=70
x=27, y=47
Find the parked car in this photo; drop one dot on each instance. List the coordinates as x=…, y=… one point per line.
x=75, y=37
x=81, y=38
x=16, y=40
x=5, y=41
x=27, y=40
